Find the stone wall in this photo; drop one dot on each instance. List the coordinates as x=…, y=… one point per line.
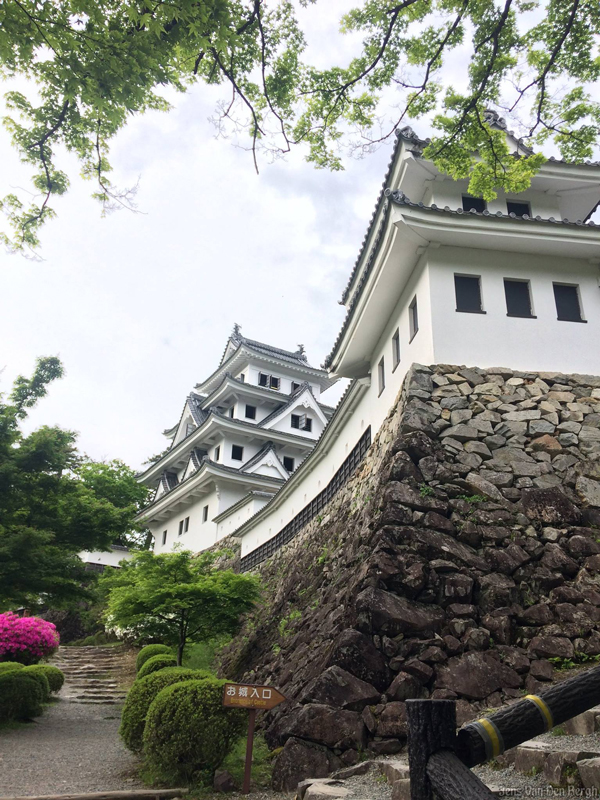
x=459, y=559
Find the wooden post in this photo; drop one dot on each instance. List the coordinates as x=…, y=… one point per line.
x=431, y=727
x=249, y=747
x=452, y=780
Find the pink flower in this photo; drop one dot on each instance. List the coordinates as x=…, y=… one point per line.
x=26, y=639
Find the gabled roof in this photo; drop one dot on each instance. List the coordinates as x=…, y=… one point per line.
x=236, y=340
x=268, y=451
x=194, y=402
x=304, y=387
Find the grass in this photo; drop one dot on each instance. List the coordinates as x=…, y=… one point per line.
x=261, y=762
x=203, y=654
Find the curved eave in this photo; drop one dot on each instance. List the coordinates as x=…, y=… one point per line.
x=231, y=385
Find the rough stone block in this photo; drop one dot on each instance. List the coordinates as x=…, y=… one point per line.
x=589, y=772
x=394, y=770
x=531, y=757
x=582, y=725
x=401, y=790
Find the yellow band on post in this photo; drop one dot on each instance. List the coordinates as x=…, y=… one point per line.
x=546, y=713
x=492, y=738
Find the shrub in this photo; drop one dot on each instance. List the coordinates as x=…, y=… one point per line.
x=26, y=639
x=157, y=663
x=21, y=696
x=148, y=652
x=140, y=697
x=40, y=678
x=188, y=732
x=9, y=666
x=52, y=674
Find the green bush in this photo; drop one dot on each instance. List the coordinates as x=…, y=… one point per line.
x=149, y=651
x=188, y=732
x=38, y=675
x=140, y=697
x=156, y=663
x=21, y=696
x=54, y=676
x=10, y=666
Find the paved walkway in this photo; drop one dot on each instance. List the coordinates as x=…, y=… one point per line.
x=73, y=747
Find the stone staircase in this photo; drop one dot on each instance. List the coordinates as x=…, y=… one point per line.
x=91, y=674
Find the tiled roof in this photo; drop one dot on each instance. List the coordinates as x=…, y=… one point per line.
x=236, y=338
x=169, y=481
x=304, y=385
x=262, y=452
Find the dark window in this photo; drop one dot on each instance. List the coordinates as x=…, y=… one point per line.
x=186, y=527
x=204, y=513
x=217, y=452
x=468, y=293
x=288, y=463
x=295, y=421
x=251, y=412
x=180, y=528
x=231, y=413
x=567, y=303
x=164, y=539
x=301, y=422
x=518, y=299
x=307, y=424
x=237, y=452
x=295, y=386
x=274, y=382
x=512, y=207
x=413, y=319
x=395, y=350
x=242, y=377
x=263, y=380
x=473, y=203
x=381, y=375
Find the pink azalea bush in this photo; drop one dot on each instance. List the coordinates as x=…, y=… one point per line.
x=26, y=639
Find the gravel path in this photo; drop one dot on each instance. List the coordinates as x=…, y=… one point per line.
x=71, y=748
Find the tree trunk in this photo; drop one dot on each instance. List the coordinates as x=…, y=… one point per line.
x=180, y=649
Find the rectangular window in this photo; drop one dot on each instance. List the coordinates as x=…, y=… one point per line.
x=231, y=411
x=395, y=350
x=288, y=463
x=204, y=513
x=381, y=375
x=518, y=208
x=250, y=412
x=295, y=421
x=568, y=307
x=468, y=293
x=263, y=380
x=180, y=528
x=164, y=539
x=237, y=452
x=189, y=428
x=242, y=378
x=518, y=298
x=295, y=386
x=473, y=203
x=186, y=527
x=307, y=424
x=274, y=382
x=413, y=319
x=301, y=422
x=217, y=452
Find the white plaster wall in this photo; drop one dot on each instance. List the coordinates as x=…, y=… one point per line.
x=110, y=558
x=250, y=450
x=449, y=193
x=200, y=534
x=371, y=410
x=493, y=338
x=233, y=521
x=287, y=378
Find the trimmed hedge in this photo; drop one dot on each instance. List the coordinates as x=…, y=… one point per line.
x=53, y=675
x=140, y=697
x=42, y=680
x=10, y=666
x=155, y=663
x=188, y=732
x=21, y=696
x=149, y=651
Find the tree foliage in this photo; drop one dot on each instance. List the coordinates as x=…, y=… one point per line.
x=176, y=598
x=53, y=502
x=93, y=63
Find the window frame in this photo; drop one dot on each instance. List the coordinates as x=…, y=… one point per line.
x=381, y=375
x=576, y=287
x=250, y=416
x=292, y=418
x=241, y=449
x=266, y=377
x=527, y=283
x=295, y=386
x=231, y=412
x=524, y=203
x=293, y=461
x=180, y=531
x=274, y=383
x=477, y=200
x=395, y=349
x=205, y=514
x=466, y=276
x=164, y=538
x=186, y=526
x=413, y=318
x=217, y=452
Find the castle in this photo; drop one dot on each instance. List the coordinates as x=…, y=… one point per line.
x=441, y=277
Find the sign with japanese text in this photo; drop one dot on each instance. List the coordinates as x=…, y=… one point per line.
x=241, y=695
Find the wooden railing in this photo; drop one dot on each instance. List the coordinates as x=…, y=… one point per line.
x=440, y=758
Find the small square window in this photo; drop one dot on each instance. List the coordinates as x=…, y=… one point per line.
x=518, y=298
x=288, y=463
x=568, y=307
x=295, y=386
x=217, y=452
x=395, y=350
x=381, y=375
x=473, y=203
x=518, y=208
x=186, y=527
x=180, y=527
x=274, y=382
x=204, y=513
x=468, y=294
x=237, y=452
x=263, y=380
x=250, y=412
x=413, y=319
x=164, y=538
x=295, y=421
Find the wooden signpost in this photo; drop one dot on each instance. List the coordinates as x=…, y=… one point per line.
x=245, y=695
